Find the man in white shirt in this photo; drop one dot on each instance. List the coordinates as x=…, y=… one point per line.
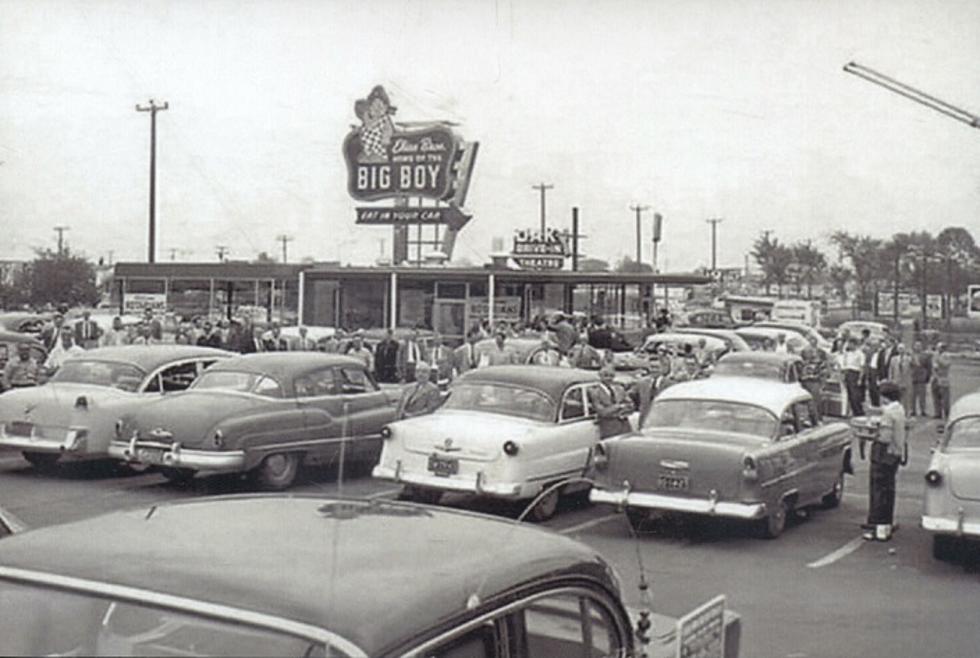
x=852, y=366
x=63, y=351
x=117, y=335
x=781, y=346
x=465, y=357
x=304, y=343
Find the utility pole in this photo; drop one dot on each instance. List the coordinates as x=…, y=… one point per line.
x=153, y=108
x=61, y=239
x=543, y=188
x=574, y=236
x=639, y=211
x=222, y=251
x=284, y=239
x=714, y=240
x=658, y=222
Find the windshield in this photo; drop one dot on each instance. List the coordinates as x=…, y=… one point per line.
x=711, y=415
x=38, y=621
x=498, y=399
x=100, y=373
x=738, y=368
x=243, y=382
x=965, y=433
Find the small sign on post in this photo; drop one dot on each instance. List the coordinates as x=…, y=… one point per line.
x=701, y=632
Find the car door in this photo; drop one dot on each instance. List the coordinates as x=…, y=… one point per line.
x=826, y=447
x=810, y=434
x=366, y=404
x=791, y=457
x=577, y=432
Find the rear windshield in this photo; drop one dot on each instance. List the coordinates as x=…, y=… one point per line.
x=244, y=382
x=100, y=373
x=36, y=621
x=711, y=415
x=965, y=433
x=506, y=400
x=738, y=368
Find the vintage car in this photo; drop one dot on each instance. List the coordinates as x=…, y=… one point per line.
x=757, y=337
x=952, y=500
x=504, y=432
x=262, y=414
x=804, y=330
x=735, y=342
x=878, y=330
x=679, y=340
x=780, y=367
x=73, y=416
x=21, y=322
x=313, y=586
x=9, y=343
x=743, y=448
x=708, y=319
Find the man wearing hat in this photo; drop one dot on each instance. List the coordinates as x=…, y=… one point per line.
x=22, y=371
x=611, y=403
x=421, y=397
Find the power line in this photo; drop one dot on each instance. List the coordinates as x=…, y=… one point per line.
x=284, y=239
x=543, y=188
x=153, y=108
x=60, y=230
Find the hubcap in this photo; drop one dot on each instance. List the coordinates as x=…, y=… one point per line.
x=277, y=464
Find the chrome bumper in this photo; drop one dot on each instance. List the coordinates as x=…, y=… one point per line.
x=172, y=455
x=951, y=526
x=466, y=484
x=626, y=498
x=76, y=440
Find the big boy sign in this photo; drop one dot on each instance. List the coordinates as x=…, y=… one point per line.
x=384, y=161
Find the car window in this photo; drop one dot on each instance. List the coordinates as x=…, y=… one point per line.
x=501, y=399
x=787, y=423
x=178, y=377
x=355, y=380
x=716, y=415
x=480, y=642
x=965, y=433
x=38, y=621
x=268, y=387
x=566, y=625
x=573, y=405
x=315, y=384
x=100, y=373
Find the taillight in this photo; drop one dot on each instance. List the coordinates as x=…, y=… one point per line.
x=933, y=478
x=510, y=448
x=219, y=439
x=81, y=402
x=119, y=429
x=750, y=470
x=600, y=458
x=385, y=432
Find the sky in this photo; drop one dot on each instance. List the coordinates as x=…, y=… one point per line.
x=736, y=109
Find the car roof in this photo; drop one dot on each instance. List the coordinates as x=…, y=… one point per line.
x=353, y=567
x=769, y=394
x=968, y=405
x=150, y=357
x=550, y=380
x=681, y=336
x=283, y=365
x=760, y=357
x=18, y=337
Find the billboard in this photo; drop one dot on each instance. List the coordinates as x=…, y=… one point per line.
x=540, y=250
x=973, y=301
x=909, y=305
x=136, y=302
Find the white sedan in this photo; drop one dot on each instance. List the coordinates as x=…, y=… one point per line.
x=505, y=432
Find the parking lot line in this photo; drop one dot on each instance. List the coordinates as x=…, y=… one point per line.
x=841, y=552
x=585, y=525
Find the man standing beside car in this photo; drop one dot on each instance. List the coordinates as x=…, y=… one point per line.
x=22, y=371
x=887, y=453
x=386, y=358
x=611, y=404
x=940, y=382
x=852, y=367
x=420, y=398
x=921, y=374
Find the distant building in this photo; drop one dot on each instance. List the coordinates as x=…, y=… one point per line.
x=10, y=269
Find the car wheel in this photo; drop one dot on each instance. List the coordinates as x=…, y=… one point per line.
x=944, y=547
x=277, y=471
x=546, y=507
x=775, y=522
x=421, y=495
x=637, y=517
x=177, y=475
x=833, y=499
x=42, y=461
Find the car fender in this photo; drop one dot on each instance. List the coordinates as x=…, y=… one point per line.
x=260, y=432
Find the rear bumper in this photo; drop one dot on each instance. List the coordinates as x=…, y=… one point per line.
x=151, y=453
x=707, y=506
x=75, y=441
x=951, y=525
x=462, y=484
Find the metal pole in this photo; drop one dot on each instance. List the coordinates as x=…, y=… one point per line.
x=575, y=238
x=924, y=291
x=153, y=108
x=898, y=274
x=714, y=241
x=543, y=188
x=639, y=211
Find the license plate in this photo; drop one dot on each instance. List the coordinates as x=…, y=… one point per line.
x=673, y=482
x=443, y=466
x=149, y=456
x=20, y=428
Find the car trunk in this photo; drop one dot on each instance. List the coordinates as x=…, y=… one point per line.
x=463, y=434
x=188, y=417
x=964, y=475
x=678, y=462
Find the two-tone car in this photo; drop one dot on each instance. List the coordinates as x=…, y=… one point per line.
x=952, y=500
x=263, y=414
x=777, y=366
x=743, y=448
x=507, y=432
x=73, y=416
x=201, y=577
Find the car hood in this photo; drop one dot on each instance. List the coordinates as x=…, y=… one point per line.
x=189, y=416
x=54, y=403
x=467, y=434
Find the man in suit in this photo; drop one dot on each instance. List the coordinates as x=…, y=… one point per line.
x=87, y=331
x=156, y=328
x=210, y=338
x=421, y=397
x=253, y=342
x=411, y=353
x=51, y=335
x=441, y=361
x=600, y=337
x=304, y=343
x=465, y=356
x=565, y=333
x=386, y=358
x=612, y=405
x=274, y=340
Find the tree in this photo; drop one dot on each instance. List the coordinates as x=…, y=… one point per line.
x=863, y=252
x=66, y=278
x=774, y=259
x=593, y=265
x=839, y=277
x=264, y=257
x=810, y=263
x=627, y=264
